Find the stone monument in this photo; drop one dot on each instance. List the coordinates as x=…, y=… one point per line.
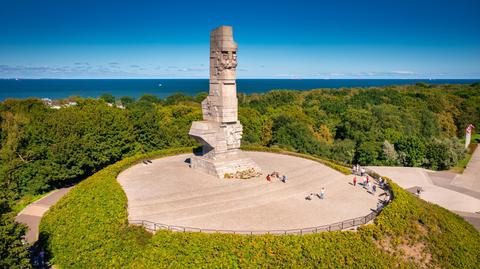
x=220, y=132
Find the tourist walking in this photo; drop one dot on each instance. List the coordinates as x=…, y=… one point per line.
x=354, y=181
x=362, y=171
x=374, y=188
x=367, y=186
x=322, y=193
x=268, y=178
x=284, y=178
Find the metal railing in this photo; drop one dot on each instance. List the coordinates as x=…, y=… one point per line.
x=338, y=226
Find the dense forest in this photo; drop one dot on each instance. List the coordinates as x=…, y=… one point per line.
x=416, y=125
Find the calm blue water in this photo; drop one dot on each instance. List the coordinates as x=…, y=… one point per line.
x=62, y=88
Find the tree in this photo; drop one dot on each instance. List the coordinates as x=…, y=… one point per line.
x=390, y=154
x=445, y=153
x=343, y=151
x=201, y=96
x=411, y=151
x=149, y=98
x=127, y=101
x=252, y=123
x=177, y=98
x=13, y=253
x=368, y=153
x=356, y=124
x=291, y=133
x=107, y=97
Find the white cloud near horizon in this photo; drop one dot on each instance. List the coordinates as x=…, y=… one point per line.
x=117, y=70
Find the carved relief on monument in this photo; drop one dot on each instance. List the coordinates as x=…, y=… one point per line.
x=233, y=133
x=225, y=60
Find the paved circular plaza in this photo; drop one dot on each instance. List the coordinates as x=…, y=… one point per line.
x=167, y=191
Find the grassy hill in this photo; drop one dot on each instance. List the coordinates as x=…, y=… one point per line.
x=88, y=228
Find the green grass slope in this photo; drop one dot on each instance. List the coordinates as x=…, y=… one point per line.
x=88, y=228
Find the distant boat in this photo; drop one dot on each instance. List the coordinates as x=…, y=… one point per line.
x=159, y=84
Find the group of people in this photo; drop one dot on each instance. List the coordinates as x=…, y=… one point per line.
x=320, y=195
x=357, y=170
x=276, y=175
x=367, y=183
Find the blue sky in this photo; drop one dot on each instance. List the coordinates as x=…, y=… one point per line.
x=277, y=39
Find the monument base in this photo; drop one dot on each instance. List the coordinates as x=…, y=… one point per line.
x=224, y=167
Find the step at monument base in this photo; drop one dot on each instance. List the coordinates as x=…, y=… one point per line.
x=220, y=167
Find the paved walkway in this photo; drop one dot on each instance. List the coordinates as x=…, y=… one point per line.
x=32, y=214
x=168, y=191
x=457, y=192
x=470, y=179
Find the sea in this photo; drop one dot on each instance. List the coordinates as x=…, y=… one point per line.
x=63, y=88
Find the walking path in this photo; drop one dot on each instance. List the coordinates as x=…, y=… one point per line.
x=470, y=179
x=33, y=213
x=457, y=192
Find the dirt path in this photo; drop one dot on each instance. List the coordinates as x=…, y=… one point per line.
x=33, y=213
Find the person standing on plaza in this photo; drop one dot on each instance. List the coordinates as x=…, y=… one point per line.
x=354, y=181
x=322, y=193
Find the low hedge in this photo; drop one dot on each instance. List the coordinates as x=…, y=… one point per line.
x=88, y=228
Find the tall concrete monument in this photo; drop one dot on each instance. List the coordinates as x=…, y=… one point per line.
x=220, y=132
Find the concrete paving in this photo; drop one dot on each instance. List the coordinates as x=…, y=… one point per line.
x=457, y=192
x=33, y=213
x=169, y=192
x=473, y=218
x=470, y=178
x=409, y=177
